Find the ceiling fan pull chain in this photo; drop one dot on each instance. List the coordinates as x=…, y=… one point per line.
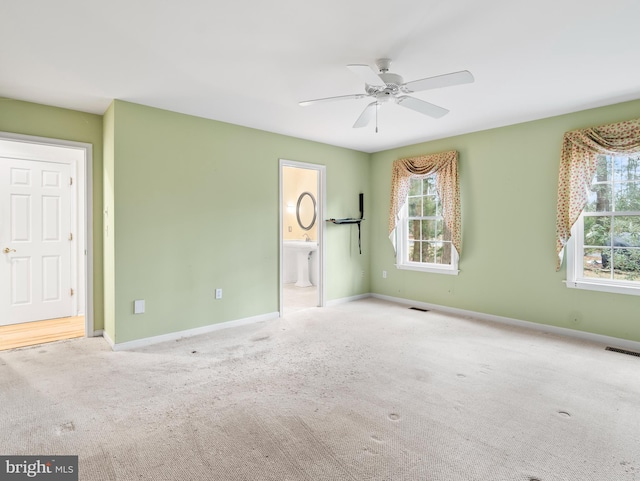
x=376, y=117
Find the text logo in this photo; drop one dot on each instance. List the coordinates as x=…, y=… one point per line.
x=43, y=468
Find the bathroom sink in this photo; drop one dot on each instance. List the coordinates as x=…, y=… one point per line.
x=303, y=249
x=301, y=244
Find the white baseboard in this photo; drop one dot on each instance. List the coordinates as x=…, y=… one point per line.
x=583, y=335
x=172, y=336
x=343, y=300
x=562, y=331
x=108, y=339
x=98, y=333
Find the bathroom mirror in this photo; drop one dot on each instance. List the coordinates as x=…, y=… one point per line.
x=306, y=210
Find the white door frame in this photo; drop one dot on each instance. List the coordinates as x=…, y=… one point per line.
x=83, y=192
x=321, y=205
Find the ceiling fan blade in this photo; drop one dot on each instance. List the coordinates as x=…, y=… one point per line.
x=421, y=106
x=304, y=103
x=446, y=80
x=366, y=116
x=367, y=74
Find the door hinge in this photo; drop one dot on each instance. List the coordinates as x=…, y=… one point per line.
x=71, y=236
x=70, y=180
x=71, y=291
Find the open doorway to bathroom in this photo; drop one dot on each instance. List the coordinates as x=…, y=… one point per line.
x=301, y=236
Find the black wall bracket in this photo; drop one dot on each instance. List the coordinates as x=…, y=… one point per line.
x=351, y=220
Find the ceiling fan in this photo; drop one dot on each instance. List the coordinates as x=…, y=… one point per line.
x=386, y=86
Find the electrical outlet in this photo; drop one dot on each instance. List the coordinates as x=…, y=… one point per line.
x=138, y=306
x=218, y=293
x=362, y=274
x=384, y=274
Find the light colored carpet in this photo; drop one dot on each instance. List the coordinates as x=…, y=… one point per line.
x=361, y=391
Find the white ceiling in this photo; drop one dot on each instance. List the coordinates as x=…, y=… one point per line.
x=251, y=62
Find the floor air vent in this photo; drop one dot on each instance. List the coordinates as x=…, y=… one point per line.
x=623, y=351
x=419, y=309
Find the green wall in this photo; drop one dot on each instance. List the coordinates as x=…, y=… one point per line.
x=192, y=205
x=43, y=121
x=196, y=208
x=508, y=181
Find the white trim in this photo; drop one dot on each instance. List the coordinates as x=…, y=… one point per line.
x=433, y=268
x=402, y=239
x=321, y=206
x=575, y=271
x=344, y=300
x=106, y=337
x=172, y=336
x=602, y=287
x=98, y=333
x=83, y=213
x=560, y=331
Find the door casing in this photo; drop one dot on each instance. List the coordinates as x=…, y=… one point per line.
x=81, y=157
x=320, y=206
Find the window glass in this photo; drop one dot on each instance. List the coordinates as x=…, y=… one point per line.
x=607, y=251
x=424, y=239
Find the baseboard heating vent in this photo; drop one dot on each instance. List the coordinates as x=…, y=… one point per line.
x=419, y=309
x=622, y=351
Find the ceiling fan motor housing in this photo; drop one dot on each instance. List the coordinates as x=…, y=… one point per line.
x=392, y=81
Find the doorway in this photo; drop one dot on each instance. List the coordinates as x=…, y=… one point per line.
x=45, y=240
x=301, y=207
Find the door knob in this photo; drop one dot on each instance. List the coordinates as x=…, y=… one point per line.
x=7, y=250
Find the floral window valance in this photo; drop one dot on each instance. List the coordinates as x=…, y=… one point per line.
x=445, y=166
x=580, y=150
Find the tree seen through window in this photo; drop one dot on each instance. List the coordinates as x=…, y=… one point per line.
x=611, y=219
x=429, y=239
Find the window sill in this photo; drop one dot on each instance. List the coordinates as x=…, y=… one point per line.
x=602, y=287
x=432, y=269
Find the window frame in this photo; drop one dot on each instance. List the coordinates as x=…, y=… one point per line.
x=402, y=242
x=575, y=254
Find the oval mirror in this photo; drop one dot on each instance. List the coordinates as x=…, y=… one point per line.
x=306, y=210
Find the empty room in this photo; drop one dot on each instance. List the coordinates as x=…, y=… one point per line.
x=332, y=241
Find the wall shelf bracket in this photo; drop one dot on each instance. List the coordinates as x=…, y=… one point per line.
x=351, y=220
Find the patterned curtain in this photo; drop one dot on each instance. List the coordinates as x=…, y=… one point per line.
x=445, y=166
x=580, y=150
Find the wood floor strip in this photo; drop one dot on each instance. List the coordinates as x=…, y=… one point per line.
x=40, y=332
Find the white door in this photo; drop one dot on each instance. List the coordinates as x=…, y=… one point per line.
x=35, y=240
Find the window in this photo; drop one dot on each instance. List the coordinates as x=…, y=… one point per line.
x=605, y=254
x=424, y=241
x=424, y=212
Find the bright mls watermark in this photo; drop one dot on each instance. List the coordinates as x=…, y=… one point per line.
x=49, y=468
